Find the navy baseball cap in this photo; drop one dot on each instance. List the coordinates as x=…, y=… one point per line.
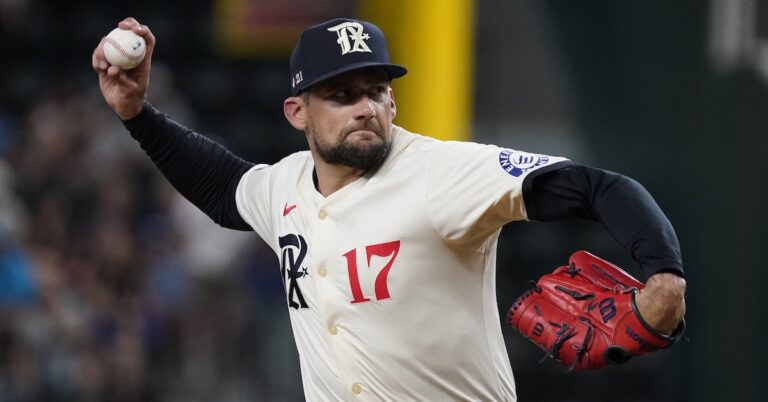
x=338, y=46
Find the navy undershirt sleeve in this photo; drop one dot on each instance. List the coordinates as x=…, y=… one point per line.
x=630, y=214
x=204, y=172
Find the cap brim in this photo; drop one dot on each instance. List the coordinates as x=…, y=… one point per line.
x=392, y=70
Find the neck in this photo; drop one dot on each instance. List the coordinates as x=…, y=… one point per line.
x=331, y=178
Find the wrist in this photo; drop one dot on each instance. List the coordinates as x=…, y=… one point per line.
x=130, y=113
x=667, y=285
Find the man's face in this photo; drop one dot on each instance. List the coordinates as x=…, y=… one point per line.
x=349, y=119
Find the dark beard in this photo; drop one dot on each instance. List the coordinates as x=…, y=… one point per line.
x=363, y=157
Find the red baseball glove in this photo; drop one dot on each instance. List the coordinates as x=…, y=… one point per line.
x=584, y=315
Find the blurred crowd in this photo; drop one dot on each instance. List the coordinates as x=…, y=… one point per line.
x=112, y=286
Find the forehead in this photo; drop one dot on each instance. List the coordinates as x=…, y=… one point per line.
x=365, y=76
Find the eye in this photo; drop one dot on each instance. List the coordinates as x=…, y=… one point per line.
x=341, y=94
x=378, y=91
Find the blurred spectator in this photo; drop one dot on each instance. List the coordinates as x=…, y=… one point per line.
x=112, y=287
x=16, y=284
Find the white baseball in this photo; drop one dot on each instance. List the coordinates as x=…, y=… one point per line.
x=124, y=49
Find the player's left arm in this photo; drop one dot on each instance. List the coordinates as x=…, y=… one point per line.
x=631, y=215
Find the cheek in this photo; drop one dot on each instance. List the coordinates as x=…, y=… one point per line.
x=319, y=122
x=329, y=117
x=325, y=127
x=386, y=113
x=389, y=107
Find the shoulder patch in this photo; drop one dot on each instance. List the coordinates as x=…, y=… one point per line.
x=516, y=162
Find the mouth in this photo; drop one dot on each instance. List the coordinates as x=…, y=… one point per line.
x=362, y=132
x=367, y=135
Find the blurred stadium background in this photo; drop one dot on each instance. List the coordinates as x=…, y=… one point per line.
x=112, y=288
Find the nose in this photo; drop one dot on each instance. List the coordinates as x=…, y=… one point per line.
x=365, y=109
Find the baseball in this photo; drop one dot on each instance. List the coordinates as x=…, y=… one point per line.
x=124, y=49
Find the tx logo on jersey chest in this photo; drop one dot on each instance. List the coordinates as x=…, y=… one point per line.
x=293, y=252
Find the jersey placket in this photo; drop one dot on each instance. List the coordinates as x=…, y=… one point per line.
x=332, y=294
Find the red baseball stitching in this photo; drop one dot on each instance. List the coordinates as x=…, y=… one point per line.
x=120, y=49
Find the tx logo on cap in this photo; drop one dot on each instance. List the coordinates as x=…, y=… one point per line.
x=351, y=31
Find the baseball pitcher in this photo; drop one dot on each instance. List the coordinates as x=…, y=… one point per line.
x=387, y=239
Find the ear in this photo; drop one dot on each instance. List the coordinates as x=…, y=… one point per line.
x=392, y=102
x=295, y=112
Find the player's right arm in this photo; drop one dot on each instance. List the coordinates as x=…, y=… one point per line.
x=204, y=172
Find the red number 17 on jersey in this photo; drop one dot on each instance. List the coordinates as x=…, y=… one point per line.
x=380, y=250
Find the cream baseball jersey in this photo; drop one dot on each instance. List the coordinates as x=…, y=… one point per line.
x=390, y=281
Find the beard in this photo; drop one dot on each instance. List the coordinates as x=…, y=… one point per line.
x=361, y=155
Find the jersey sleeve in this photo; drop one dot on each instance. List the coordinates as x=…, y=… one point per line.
x=253, y=201
x=203, y=171
x=474, y=189
x=624, y=207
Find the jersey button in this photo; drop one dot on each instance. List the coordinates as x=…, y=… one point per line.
x=322, y=272
x=333, y=329
x=356, y=388
x=322, y=214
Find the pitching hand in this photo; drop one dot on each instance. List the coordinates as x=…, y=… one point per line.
x=125, y=91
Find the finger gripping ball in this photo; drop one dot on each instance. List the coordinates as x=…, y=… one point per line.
x=124, y=49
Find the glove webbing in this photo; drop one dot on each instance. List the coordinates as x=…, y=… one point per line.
x=565, y=332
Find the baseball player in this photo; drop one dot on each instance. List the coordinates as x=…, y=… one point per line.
x=387, y=239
